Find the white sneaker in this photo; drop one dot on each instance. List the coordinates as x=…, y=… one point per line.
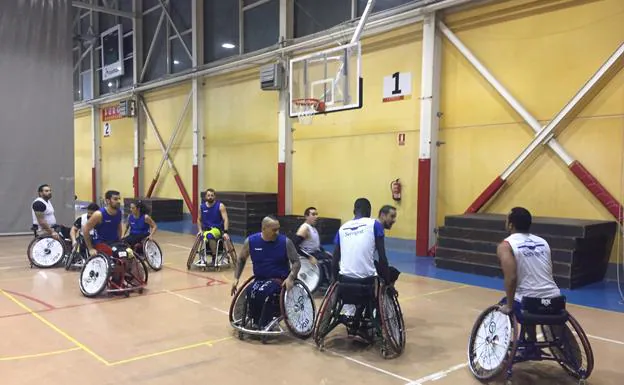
x=200, y=263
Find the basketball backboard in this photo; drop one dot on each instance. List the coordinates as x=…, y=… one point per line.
x=332, y=76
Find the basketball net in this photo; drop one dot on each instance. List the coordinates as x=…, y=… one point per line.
x=306, y=109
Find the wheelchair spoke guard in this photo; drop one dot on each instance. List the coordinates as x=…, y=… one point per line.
x=153, y=254
x=45, y=252
x=493, y=344
x=94, y=276
x=298, y=309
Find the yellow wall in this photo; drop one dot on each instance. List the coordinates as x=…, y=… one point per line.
x=83, y=140
x=117, y=156
x=241, y=134
x=346, y=155
x=542, y=56
x=166, y=107
x=542, y=52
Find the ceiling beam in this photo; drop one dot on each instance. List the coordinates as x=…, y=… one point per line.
x=97, y=8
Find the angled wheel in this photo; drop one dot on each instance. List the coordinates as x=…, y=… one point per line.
x=194, y=251
x=311, y=275
x=325, y=317
x=45, y=252
x=572, y=350
x=231, y=253
x=138, y=269
x=94, y=276
x=493, y=344
x=298, y=309
x=392, y=323
x=69, y=261
x=239, y=304
x=153, y=254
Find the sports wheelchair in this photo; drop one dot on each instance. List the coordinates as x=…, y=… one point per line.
x=44, y=251
x=297, y=312
x=312, y=275
x=115, y=269
x=226, y=254
x=495, y=344
x=377, y=314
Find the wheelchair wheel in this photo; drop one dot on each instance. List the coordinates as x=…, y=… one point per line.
x=239, y=303
x=392, y=323
x=298, y=309
x=493, y=344
x=45, y=252
x=311, y=275
x=153, y=254
x=140, y=275
x=323, y=322
x=573, y=352
x=94, y=276
x=230, y=251
x=194, y=250
x=69, y=260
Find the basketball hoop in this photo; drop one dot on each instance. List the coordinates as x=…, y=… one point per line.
x=306, y=108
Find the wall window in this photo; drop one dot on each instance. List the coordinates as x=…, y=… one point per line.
x=313, y=16
x=260, y=24
x=221, y=29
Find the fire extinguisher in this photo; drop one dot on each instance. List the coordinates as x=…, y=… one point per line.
x=395, y=187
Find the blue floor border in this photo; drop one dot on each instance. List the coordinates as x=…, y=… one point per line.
x=601, y=295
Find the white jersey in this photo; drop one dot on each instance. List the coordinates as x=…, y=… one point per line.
x=534, y=267
x=356, y=239
x=312, y=243
x=48, y=214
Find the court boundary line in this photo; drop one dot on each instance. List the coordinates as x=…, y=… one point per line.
x=96, y=301
x=37, y=355
x=83, y=347
x=55, y=328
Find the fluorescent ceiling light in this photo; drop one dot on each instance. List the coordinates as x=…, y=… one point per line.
x=176, y=61
x=228, y=45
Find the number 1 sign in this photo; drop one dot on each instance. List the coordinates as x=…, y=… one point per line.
x=397, y=86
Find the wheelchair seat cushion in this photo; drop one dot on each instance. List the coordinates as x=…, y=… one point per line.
x=356, y=291
x=544, y=311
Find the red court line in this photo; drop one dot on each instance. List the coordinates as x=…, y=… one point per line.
x=50, y=307
x=197, y=275
x=94, y=302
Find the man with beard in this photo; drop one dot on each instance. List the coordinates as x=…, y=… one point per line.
x=387, y=216
x=527, y=266
x=44, y=220
x=106, y=223
x=213, y=224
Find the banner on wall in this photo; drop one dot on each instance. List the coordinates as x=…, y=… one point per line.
x=111, y=113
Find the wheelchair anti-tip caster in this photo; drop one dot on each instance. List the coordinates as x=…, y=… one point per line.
x=240, y=336
x=583, y=381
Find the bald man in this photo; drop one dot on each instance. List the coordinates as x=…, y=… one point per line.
x=275, y=264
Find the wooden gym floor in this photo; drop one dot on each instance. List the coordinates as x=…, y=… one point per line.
x=178, y=331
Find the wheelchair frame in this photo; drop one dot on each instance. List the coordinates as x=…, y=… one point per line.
x=225, y=250
x=392, y=345
x=517, y=345
x=268, y=331
x=120, y=267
